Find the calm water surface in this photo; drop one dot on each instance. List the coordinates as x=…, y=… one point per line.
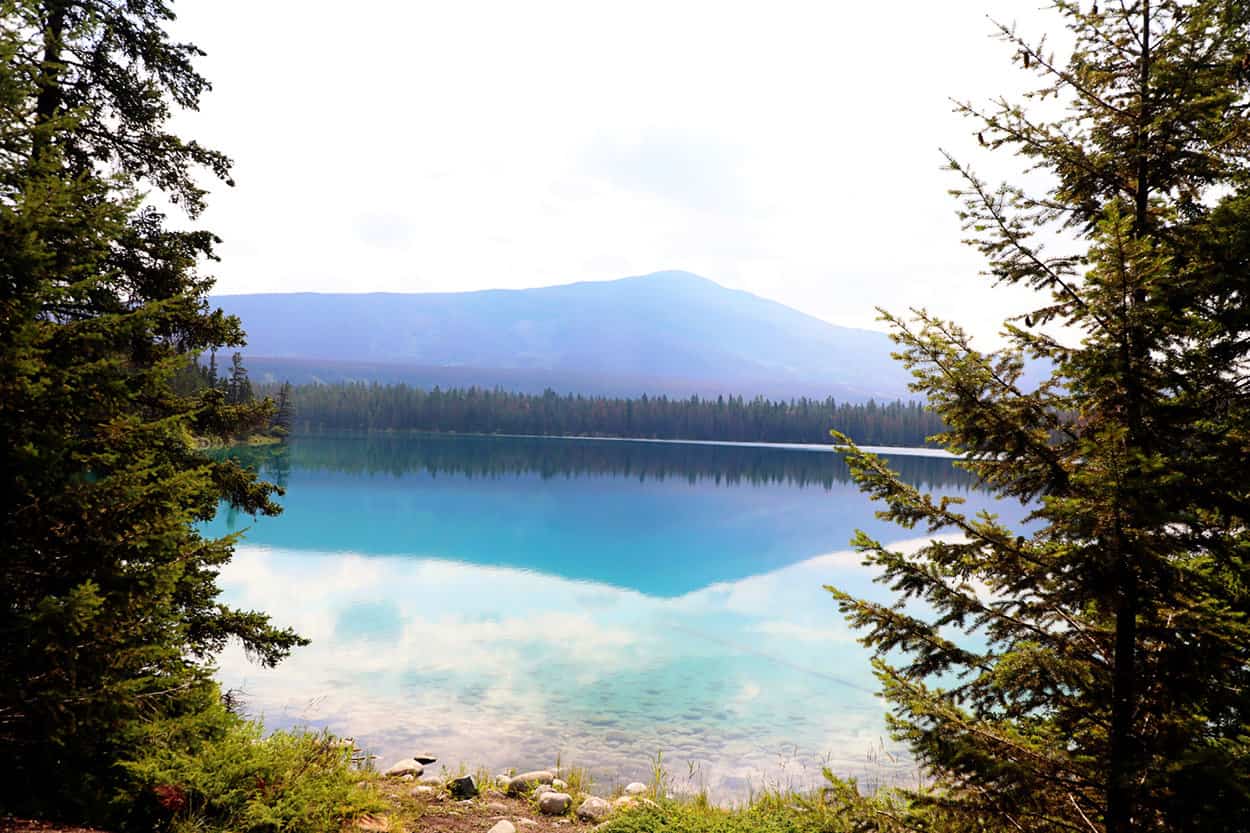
x=501, y=601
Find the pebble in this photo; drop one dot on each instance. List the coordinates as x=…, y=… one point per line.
x=560, y=785
x=497, y=807
x=503, y=826
x=423, y=791
x=635, y=788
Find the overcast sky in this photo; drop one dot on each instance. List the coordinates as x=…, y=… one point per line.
x=789, y=149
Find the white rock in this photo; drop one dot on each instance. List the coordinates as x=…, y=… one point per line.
x=407, y=776
x=560, y=785
x=543, y=789
x=635, y=788
x=503, y=826
x=594, y=809
x=423, y=791
x=554, y=804
x=407, y=766
x=624, y=801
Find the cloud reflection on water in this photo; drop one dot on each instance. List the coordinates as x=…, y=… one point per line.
x=754, y=680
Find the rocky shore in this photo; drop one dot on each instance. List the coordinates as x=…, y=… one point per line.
x=532, y=801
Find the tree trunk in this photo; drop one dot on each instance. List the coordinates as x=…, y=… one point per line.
x=1122, y=768
x=49, y=99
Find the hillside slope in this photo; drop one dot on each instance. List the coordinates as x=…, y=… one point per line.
x=667, y=332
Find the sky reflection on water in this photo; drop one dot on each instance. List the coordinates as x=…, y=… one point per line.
x=501, y=603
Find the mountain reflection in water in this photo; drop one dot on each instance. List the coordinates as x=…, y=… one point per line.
x=500, y=601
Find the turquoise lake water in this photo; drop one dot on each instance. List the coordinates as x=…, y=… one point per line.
x=502, y=601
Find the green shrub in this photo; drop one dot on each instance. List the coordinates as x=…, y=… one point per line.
x=215, y=771
x=837, y=809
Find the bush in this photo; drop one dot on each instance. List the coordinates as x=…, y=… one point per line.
x=215, y=771
x=839, y=808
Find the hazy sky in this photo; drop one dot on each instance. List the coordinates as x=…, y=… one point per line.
x=789, y=149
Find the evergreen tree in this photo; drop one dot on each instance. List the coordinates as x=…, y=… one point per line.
x=1102, y=678
x=284, y=414
x=238, y=386
x=110, y=617
x=367, y=407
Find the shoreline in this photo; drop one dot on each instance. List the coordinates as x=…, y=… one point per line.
x=830, y=448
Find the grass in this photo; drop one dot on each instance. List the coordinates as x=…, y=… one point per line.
x=838, y=809
x=578, y=779
x=225, y=776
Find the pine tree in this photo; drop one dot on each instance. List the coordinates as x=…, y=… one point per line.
x=238, y=386
x=1092, y=670
x=110, y=617
x=284, y=414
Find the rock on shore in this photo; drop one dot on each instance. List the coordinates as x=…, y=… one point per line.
x=527, y=781
x=594, y=809
x=554, y=803
x=406, y=766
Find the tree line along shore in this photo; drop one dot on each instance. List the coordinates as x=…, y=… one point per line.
x=362, y=406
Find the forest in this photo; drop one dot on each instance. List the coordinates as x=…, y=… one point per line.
x=397, y=455
x=375, y=407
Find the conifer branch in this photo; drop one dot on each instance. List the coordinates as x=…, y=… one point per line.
x=1008, y=34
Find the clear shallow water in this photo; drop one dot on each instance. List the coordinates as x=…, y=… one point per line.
x=501, y=601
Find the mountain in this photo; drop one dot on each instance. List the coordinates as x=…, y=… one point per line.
x=668, y=332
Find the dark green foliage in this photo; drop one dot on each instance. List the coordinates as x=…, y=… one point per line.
x=213, y=771
x=1093, y=673
x=110, y=617
x=284, y=411
x=374, y=407
x=238, y=386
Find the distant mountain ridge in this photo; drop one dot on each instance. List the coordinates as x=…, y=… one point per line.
x=668, y=332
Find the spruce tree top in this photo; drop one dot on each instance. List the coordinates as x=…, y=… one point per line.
x=1091, y=671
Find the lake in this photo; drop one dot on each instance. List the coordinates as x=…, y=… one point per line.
x=502, y=601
